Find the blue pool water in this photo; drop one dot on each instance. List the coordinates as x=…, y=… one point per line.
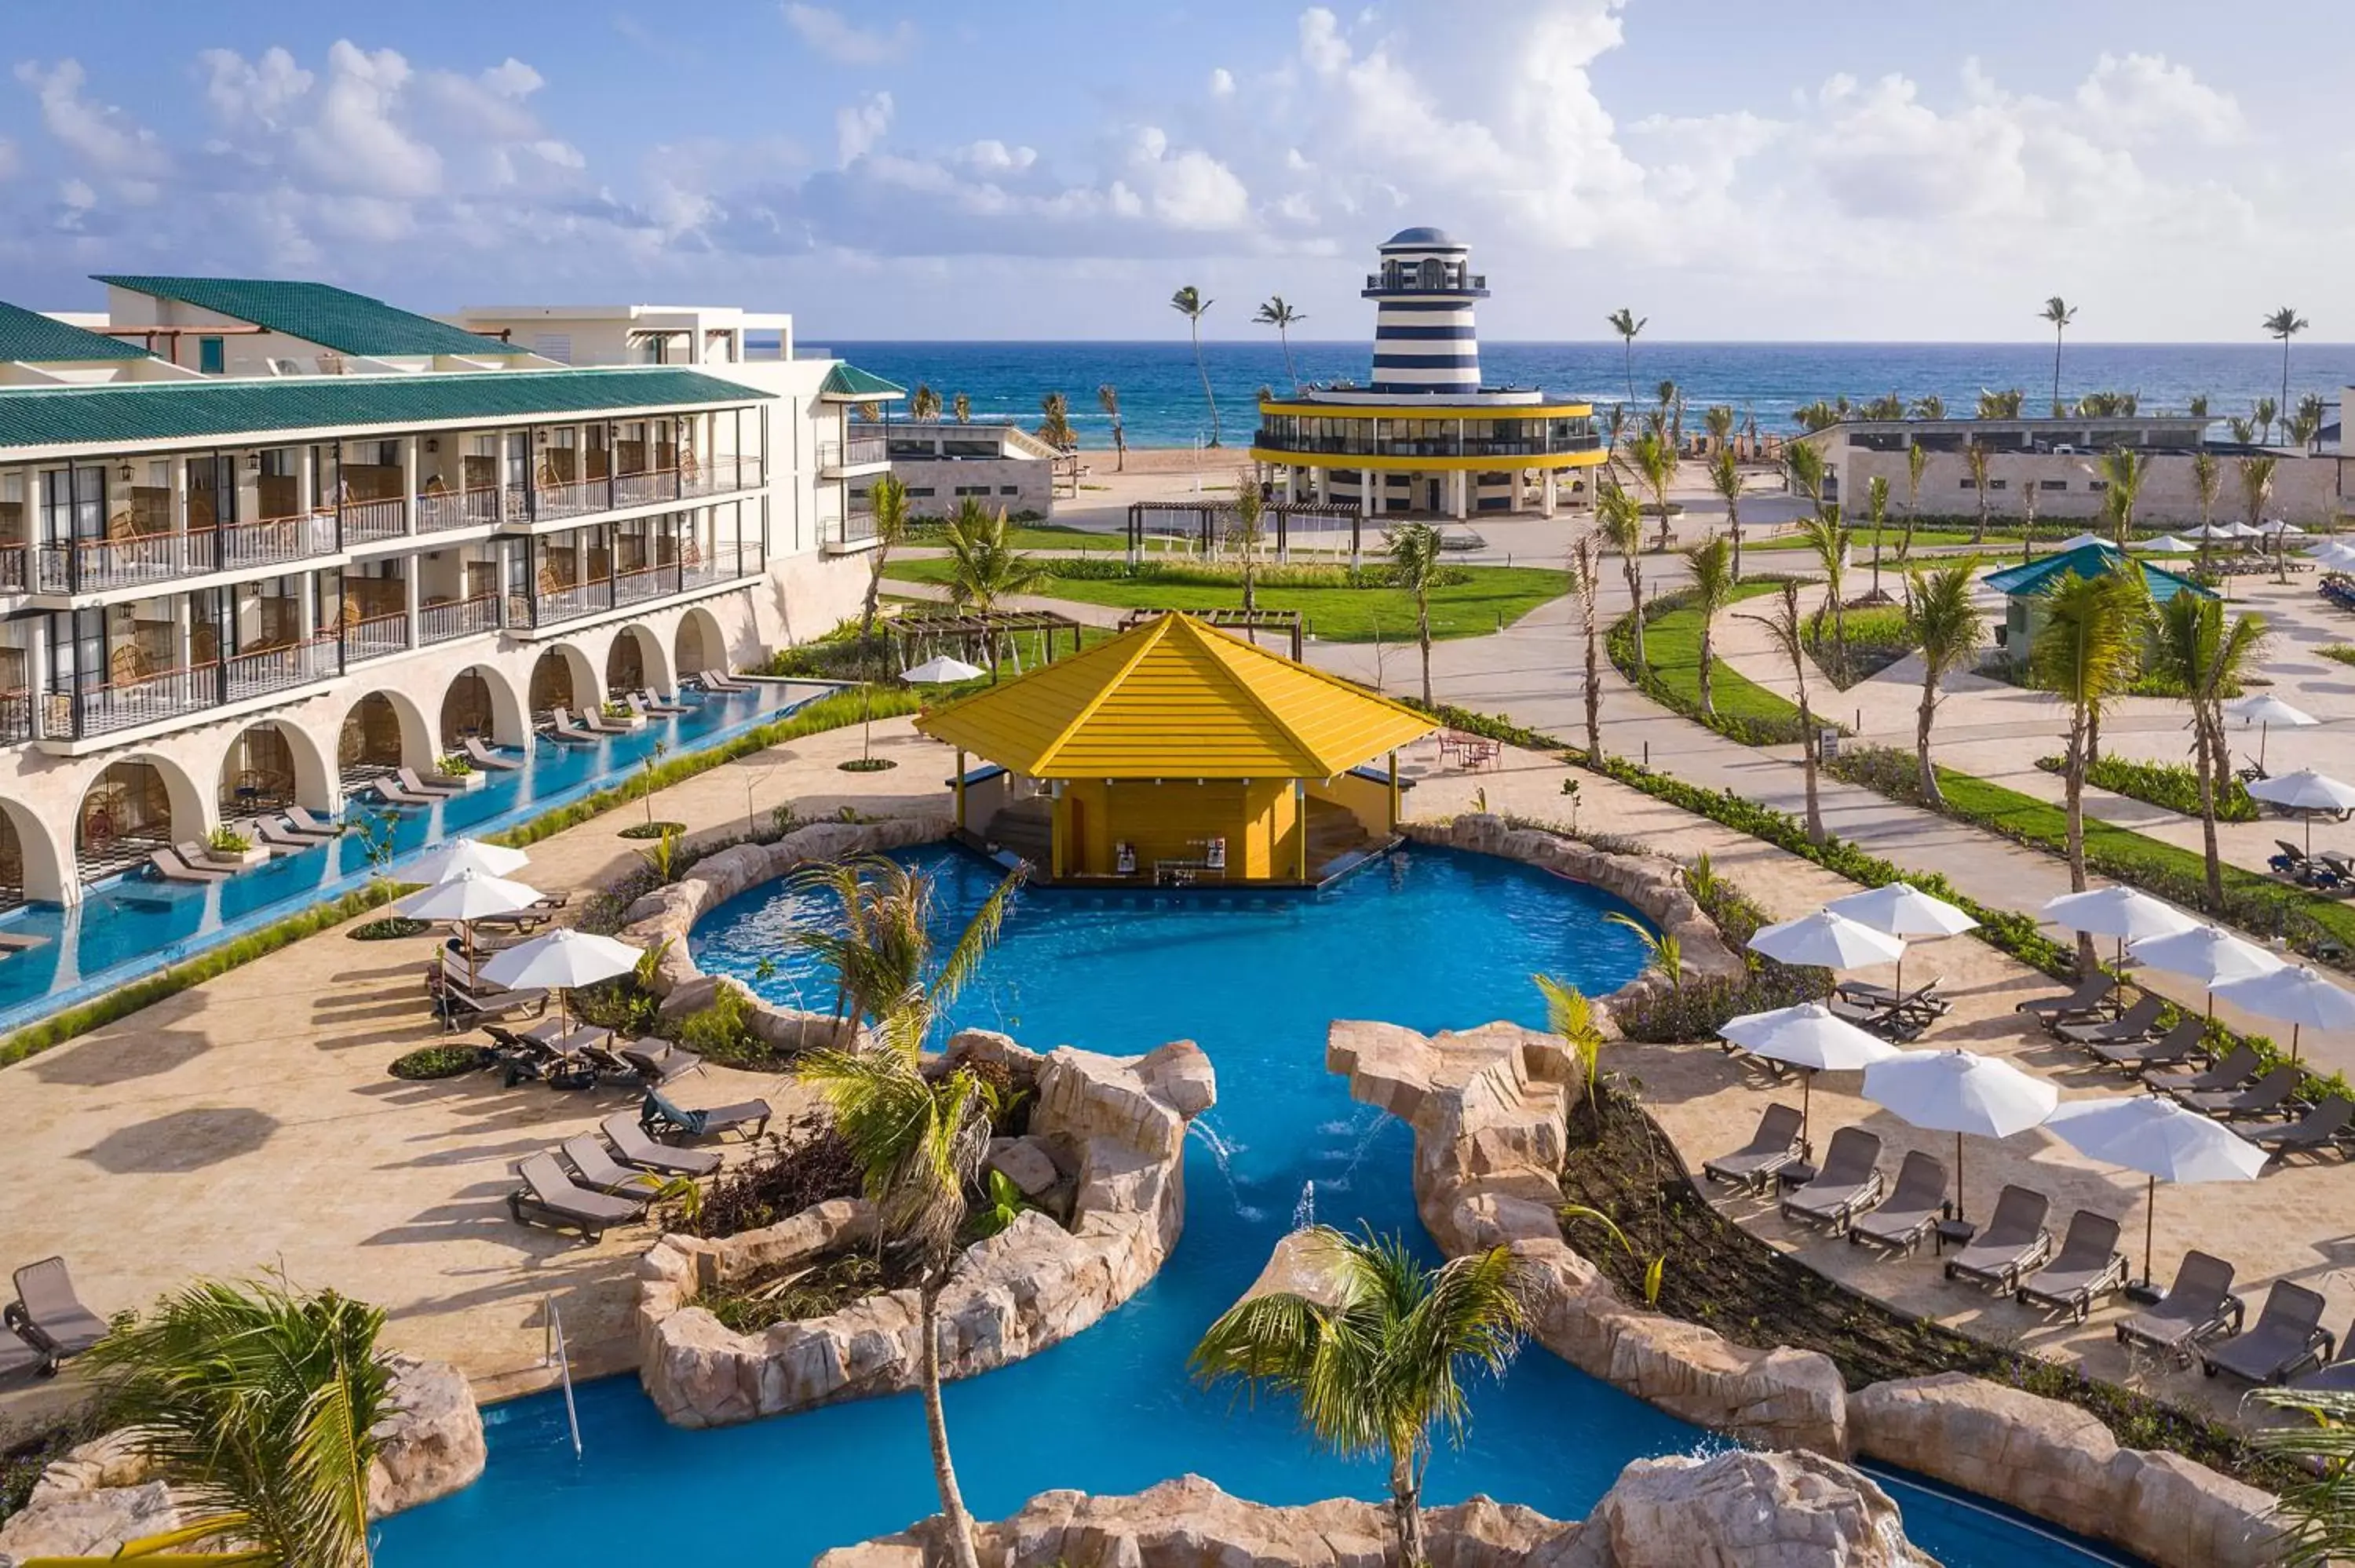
x=1428, y=938
x=137, y=923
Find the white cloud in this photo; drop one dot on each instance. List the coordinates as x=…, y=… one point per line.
x=858, y=127
x=841, y=40
x=2144, y=96
x=1222, y=82
x=103, y=135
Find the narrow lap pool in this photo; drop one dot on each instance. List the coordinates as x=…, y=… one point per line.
x=137, y=924
x=1428, y=938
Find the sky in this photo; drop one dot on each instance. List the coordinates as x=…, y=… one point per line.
x=1056, y=169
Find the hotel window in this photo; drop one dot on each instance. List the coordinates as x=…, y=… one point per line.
x=2052, y=484
x=920, y=491
x=212, y=356
x=972, y=490
x=1010, y=489
x=1965, y=484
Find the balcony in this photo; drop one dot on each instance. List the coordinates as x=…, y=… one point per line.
x=1410, y=281
x=834, y=456
x=91, y=565
x=442, y=510
x=572, y=601
x=1360, y=442
x=373, y=521
x=376, y=636
x=274, y=540
x=268, y=670
x=12, y=569
x=849, y=533
x=582, y=497
x=15, y=717
x=459, y=618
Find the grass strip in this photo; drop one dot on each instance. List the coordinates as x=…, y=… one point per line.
x=1747, y=713
x=2173, y=786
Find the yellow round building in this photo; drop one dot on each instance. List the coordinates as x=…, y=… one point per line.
x=1423, y=437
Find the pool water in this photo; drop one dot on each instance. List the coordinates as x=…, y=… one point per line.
x=1428, y=938
x=137, y=923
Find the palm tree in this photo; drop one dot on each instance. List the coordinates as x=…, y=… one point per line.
x=2244, y=432
x=1055, y=429
x=1621, y=520
x=2206, y=477
x=1378, y=1355
x=883, y=955
x=1803, y=465
x=961, y=409
x=2285, y=323
x=2263, y=412
x=1614, y=429
x=1283, y=318
x=1188, y=302
x=2198, y=407
x=1108, y=398
x=2124, y=469
x=1975, y=454
x=1718, y=420
x=983, y=566
x=1672, y=411
x=2086, y=651
x=1929, y=405
x=1655, y=464
x=1251, y=509
x=1712, y=590
x=2307, y=423
x=1826, y=535
x=1917, y=459
x=887, y=499
x=1947, y=627
x=1725, y=478
x=1586, y=584
x=2318, y=1442
x=924, y=405
x=2208, y=659
x=261, y=1403
x=1784, y=626
x=1627, y=324
x=2256, y=489
x=1876, y=510
x=1414, y=552
x=2060, y=313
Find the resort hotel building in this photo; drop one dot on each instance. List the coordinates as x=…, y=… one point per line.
x=262, y=542
x=1423, y=437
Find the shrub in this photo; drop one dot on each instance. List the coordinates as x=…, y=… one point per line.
x=431, y=1062
x=1697, y=1009
x=1781, y=728
x=228, y=841
x=805, y=1164
x=721, y=1031
x=2174, y=785
x=455, y=765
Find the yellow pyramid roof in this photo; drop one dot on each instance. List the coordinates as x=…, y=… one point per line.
x=1176, y=698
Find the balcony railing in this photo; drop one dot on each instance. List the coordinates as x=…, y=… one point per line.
x=725, y=563
x=549, y=607
x=641, y=489
x=854, y=454
x=847, y=531
x=581, y=497
x=124, y=704
x=719, y=476
x=376, y=636
x=87, y=566
x=642, y=583
x=1363, y=443
x=460, y=617
x=276, y=539
x=15, y=717
x=458, y=509
x=268, y=670
x=371, y=522
x=12, y=569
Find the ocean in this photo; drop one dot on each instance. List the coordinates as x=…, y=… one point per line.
x=1161, y=395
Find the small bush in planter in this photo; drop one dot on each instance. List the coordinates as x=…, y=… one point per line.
x=456, y=765
x=652, y=831
x=432, y=1062
x=228, y=841
x=722, y=1031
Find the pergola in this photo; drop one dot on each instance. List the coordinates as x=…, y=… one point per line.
x=1208, y=521
x=1250, y=622
x=974, y=635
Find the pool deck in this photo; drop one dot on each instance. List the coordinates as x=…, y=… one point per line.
x=248, y=1123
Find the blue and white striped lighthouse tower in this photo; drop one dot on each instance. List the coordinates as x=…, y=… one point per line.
x=1424, y=337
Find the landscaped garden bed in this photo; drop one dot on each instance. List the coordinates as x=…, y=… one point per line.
x=1745, y=712
x=1876, y=637
x=2174, y=785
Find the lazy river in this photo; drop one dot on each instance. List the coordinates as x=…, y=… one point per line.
x=1428, y=938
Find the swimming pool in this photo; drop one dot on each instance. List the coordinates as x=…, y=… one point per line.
x=137, y=924
x=1428, y=938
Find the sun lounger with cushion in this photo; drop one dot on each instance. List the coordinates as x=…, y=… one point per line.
x=393, y=792
x=560, y=727
x=2199, y=1307
x=596, y=1167
x=549, y=1196
x=2177, y=1048
x=1774, y=1145
x=598, y=724
x=2085, y=1002
x=49, y=1316
x=2240, y=1067
x=2015, y=1241
x=2288, y=1337
x=2088, y=1265
x=2268, y=1096
x=652, y=704
x=304, y=822
x=435, y=786
x=2322, y=1128
x=1848, y=1184
x=1917, y=1203
x=658, y=1061
x=278, y=836
x=1899, y=1017
x=718, y=680
x=18, y=1354
x=630, y=1140
x=661, y=1119
x=173, y=867
x=481, y=756
x=2132, y=1025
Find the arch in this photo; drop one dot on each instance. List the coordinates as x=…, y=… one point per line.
x=30, y=863
x=384, y=730
x=563, y=678
x=272, y=764
x=699, y=644
x=481, y=701
x=637, y=660
x=132, y=805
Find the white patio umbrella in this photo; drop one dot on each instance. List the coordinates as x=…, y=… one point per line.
x=2305, y=790
x=2335, y=554
x=2267, y=710
x=1827, y=941
x=466, y=896
x=1811, y=1037
x=2079, y=543
x=2119, y=912
x=559, y=961
x=2168, y=545
x=1959, y=1092
x=2160, y=1139
x=2297, y=997
x=2208, y=954
x=941, y=671
x=447, y=859
x=1902, y=910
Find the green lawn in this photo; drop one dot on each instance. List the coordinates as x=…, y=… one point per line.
x=1488, y=598
x=1032, y=536
x=1860, y=546
x=1672, y=649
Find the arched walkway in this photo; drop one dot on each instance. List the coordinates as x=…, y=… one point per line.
x=564, y=678
x=133, y=807
x=383, y=731
x=481, y=702
x=699, y=644
x=636, y=661
x=271, y=765
x=32, y=866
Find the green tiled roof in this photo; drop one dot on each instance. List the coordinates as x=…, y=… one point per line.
x=35, y=339
x=2089, y=561
x=333, y=318
x=846, y=380
x=178, y=410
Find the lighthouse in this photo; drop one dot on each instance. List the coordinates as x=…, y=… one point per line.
x=1423, y=337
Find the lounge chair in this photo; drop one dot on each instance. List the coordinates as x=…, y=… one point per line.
x=173, y=867
x=2088, y=1000
x=393, y=792
x=718, y=680
x=2015, y=1241
x=597, y=1168
x=2239, y=1068
x=2269, y=1095
x=2135, y=1023
x=548, y=1195
x=18, y=1354
x=658, y=1061
x=658, y=1117
x=2088, y=1265
x=1897, y=1017
x=653, y=704
x=1773, y=1146
x=304, y=822
x=562, y=729
x=278, y=836
x=1917, y=1203
x=2176, y=1048
x=2337, y=1375
x=434, y=785
x=2290, y=860
x=1848, y=1184
x=598, y=724
x=630, y=1140
x=2324, y=1126
x=2198, y=1307
x=2288, y=1337
x=481, y=756
x=49, y=1316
